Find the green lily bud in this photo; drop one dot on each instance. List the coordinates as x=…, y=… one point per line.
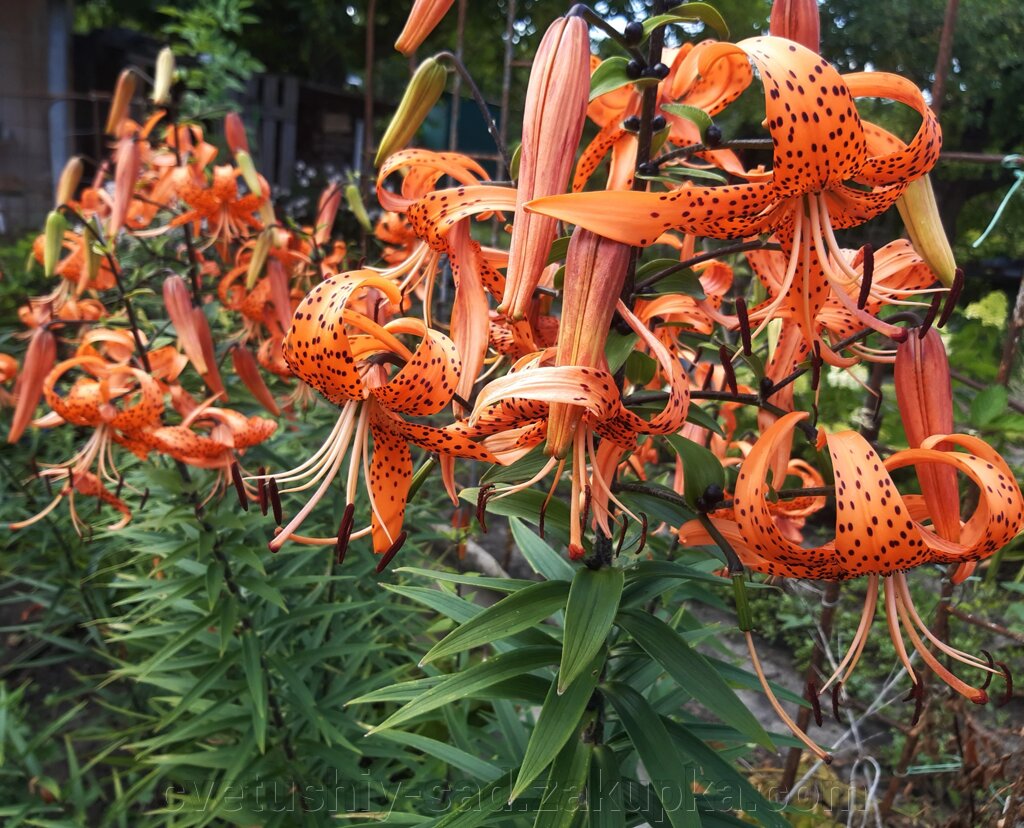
x=355, y=204
x=423, y=91
x=920, y=214
x=53, y=240
x=259, y=256
x=249, y=174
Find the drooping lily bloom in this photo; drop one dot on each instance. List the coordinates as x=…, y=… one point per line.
x=880, y=533
x=227, y=215
x=828, y=172
x=344, y=354
x=512, y=413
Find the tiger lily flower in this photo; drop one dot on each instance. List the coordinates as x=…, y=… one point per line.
x=820, y=144
x=344, y=355
x=880, y=533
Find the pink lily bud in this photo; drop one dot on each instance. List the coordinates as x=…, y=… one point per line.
x=595, y=269
x=924, y=395
x=796, y=20
x=124, y=91
x=422, y=20
x=39, y=359
x=556, y=107
x=234, y=133
x=126, y=173
x=249, y=373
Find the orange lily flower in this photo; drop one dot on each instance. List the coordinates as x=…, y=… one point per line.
x=343, y=354
x=880, y=533
x=820, y=145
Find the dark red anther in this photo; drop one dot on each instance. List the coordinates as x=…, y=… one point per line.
x=236, y=478
x=145, y=497
x=1008, y=678
x=120, y=485
x=811, y=694
x=540, y=522
x=261, y=489
x=71, y=478
x=622, y=538
x=708, y=377
x=868, y=274
x=344, y=532
x=730, y=375
x=929, y=317
x=481, y=505
x=836, y=689
x=744, y=320
x=918, y=693
x=388, y=556
x=586, y=508
x=643, y=532
x=275, y=500
x=816, y=362
x=952, y=298
x=992, y=666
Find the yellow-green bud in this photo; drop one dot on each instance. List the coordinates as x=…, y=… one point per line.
x=53, y=241
x=423, y=91
x=163, y=77
x=249, y=174
x=924, y=226
x=260, y=252
x=355, y=204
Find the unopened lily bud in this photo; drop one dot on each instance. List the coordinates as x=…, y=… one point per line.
x=326, y=213
x=595, y=270
x=39, y=359
x=423, y=19
x=53, y=241
x=556, y=107
x=126, y=174
x=163, y=77
x=70, y=178
x=924, y=396
x=124, y=91
x=248, y=170
x=248, y=371
x=259, y=256
x=423, y=91
x=920, y=215
x=93, y=259
x=234, y=133
x=796, y=20
x=178, y=303
x=355, y=204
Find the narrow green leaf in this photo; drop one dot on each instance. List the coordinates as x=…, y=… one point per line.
x=611, y=75
x=604, y=790
x=593, y=602
x=559, y=247
x=563, y=794
x=619, y=346
x=214, y=582
x=500, y=667
x=726, y=779
x=542, y=558
x=691, y=671
x=448, y=754
x=477, y=807
x=472, y=579
x=686, y=281
x=516, y=612
x=559, y=719
x=257, y=684
x=988, y=404
x=688, y=13
x=526, y=505
x=693, y=114
x=671, y=777
x=702, y=468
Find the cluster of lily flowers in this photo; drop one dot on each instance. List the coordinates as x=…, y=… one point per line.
x=517, y=363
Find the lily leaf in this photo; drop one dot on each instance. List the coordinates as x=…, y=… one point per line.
x=542, y=558
x=559, y=720
x=561, y=799
x=593, y=602
x=611, y=75
x=691, y=671
x=518, y=611
x=702, y=468
x=688, y=13
x=693, y=114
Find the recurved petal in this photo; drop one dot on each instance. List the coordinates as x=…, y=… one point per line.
x=917, y=157
x=426, y=383
x=638, y=218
